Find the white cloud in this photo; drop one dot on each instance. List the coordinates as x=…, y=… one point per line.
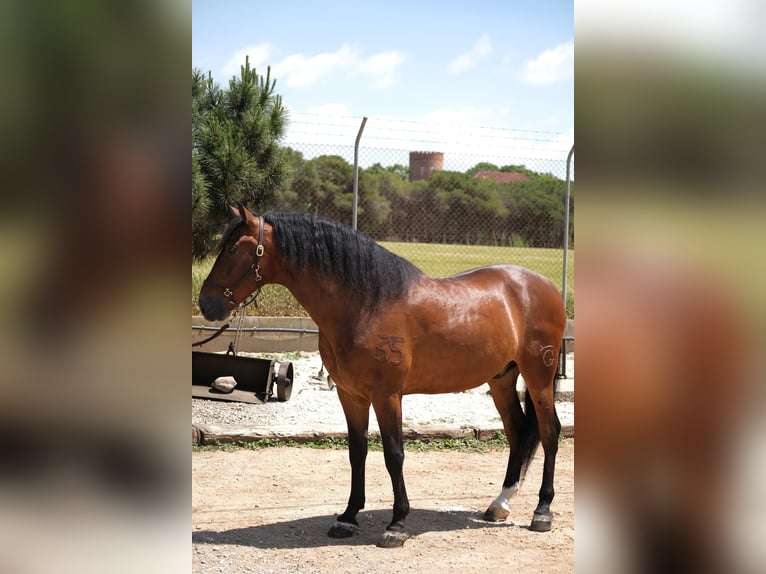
x=481, y=49
x=551, y=66
x=299, y=71
x=302, y=71
x=382, y=67
x=259, y=58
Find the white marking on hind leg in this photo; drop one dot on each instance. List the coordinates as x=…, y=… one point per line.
x=505, y=497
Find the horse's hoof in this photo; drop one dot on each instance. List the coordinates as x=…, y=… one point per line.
x=342, y=530
x=393, y=539
x=540, y=523
x=496, y=513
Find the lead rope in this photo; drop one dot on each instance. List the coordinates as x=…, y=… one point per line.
x=213, y=336
x=252, y=298
x=239, y=330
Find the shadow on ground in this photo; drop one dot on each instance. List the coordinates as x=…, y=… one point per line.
x=311, y=532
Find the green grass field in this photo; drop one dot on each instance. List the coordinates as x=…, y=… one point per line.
x=434, y=259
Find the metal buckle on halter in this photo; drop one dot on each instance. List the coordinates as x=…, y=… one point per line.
x=227, y=292
x=259, y=251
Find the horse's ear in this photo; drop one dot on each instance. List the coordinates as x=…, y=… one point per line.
x=241, y=211
x=244, y=213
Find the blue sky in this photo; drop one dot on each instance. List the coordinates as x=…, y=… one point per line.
x=456, y=75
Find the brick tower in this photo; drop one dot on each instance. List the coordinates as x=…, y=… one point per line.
x=422, y=163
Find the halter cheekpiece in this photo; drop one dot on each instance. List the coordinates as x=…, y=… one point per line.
x=255, y=267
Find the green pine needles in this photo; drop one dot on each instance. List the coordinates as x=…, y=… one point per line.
x=236, y=157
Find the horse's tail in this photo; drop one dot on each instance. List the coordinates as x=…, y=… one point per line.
x=530, y=429
x=529, y=438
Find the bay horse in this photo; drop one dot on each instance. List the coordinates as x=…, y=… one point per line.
x=386, y=329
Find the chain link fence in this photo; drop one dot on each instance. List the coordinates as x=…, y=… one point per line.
x=444, y=211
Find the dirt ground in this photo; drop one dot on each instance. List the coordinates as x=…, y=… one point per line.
x=269, y=511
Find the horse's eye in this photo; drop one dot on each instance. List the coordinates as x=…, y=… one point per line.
x=232, y=249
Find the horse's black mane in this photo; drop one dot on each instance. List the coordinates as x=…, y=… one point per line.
x=338, y=251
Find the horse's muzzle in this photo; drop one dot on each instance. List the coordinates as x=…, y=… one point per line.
x=213, y=308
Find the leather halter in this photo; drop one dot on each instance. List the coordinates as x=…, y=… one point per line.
x=228, y=292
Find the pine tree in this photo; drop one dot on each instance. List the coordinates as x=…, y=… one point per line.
x=236, y=157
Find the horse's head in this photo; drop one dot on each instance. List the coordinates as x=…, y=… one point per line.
x=236, y=273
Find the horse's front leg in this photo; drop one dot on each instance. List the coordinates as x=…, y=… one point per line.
x=357, y=414
x=389, y=414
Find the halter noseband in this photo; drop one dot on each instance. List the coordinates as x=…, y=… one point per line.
x=228, y=292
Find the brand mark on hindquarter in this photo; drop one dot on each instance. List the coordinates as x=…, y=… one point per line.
x=387, y=350
x=549, y=356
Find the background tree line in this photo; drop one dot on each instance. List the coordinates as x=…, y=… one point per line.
x=237, y=158
x=449, y=207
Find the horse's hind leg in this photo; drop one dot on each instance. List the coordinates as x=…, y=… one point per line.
x=539, y=370
x=503, y=388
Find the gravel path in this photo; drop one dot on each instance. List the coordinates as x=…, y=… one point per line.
x=314, y=407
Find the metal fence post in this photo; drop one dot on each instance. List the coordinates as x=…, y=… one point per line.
x=562, y=366
x=356, y=173
x=566, y=230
